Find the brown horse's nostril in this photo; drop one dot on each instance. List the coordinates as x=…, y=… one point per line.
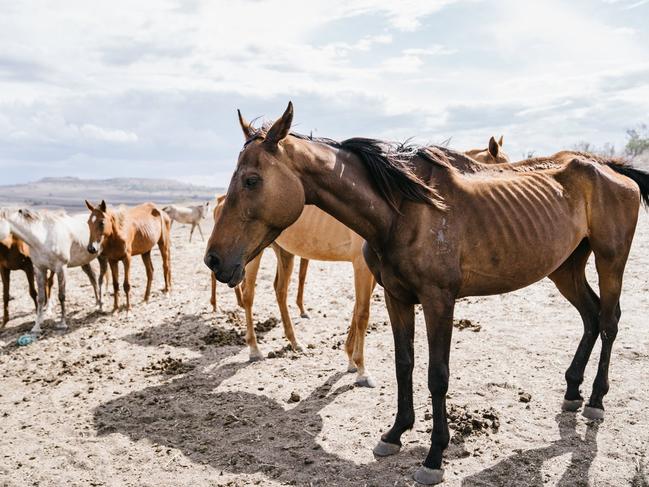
x=212, y=261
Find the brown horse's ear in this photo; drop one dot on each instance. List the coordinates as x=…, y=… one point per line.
x=493, y=147
x=245, y=126
x=501, y=140
x=102, y=206
x=89, y=205
x=281, y=127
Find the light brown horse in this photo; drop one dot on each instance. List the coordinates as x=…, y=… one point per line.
x=316, y=236
x=493, y=154
x=14, y=256
x=435, y=234
x=119, y=235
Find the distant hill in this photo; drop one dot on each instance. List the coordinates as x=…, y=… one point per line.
x=70, y=192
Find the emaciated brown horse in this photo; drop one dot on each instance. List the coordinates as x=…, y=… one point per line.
x=119, y=235
x=435, y=234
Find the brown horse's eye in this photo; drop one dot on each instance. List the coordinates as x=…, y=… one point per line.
x=251, y=181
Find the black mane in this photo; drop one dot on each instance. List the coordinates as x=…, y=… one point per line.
x=390, y=166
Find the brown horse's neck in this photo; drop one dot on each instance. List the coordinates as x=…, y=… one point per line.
x=336, y=181
x=115, y=234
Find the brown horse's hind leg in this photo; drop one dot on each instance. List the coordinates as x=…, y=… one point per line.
x=5, y=274
x=402, y=320
x=127, y=280
x=363, y=285
x=570, y=280
x=282, y=279
x=304, y=265
x=610, y=271
x=148, y=267
x=247, y=300
x=29, y=274
x=114, y=272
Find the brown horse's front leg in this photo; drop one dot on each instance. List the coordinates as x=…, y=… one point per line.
x=402, y=320
x=114, y=272
x=127, y=280
x=438, y=311
x=5, y=273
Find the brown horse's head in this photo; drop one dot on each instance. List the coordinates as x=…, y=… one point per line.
x=264, y=197
x=493, y=154
x=99, y=225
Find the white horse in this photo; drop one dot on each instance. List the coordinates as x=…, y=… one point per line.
x=191, y=215
x=56, y=241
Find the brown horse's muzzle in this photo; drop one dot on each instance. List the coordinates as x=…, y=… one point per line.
x=230, y=273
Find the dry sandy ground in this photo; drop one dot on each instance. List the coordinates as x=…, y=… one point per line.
x=143, y=400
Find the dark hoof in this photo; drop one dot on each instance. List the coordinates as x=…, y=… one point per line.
x=385, y=449
x=365, y=381
x=429, y=476
x=255, y=356
x=351, y=369
x=592, y=413
x=571, y=405
x=305, y=316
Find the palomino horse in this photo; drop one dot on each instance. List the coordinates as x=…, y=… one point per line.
x=56, y=241
x=493, y=154
x=190, y=215
x=121, y=234
x=435, y=234
x=315, y=235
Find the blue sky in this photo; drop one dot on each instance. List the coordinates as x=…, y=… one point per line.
x=150, y=88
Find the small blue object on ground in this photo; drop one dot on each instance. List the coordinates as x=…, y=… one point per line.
x=25, y=340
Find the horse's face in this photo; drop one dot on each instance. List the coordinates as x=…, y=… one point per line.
x=99, y=226
x=493, y=154
x=264, y=197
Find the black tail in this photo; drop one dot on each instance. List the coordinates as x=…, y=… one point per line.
x=640, y=177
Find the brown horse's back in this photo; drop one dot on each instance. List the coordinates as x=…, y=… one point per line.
x=14, y=253
x=317, y=235
x=146, y=227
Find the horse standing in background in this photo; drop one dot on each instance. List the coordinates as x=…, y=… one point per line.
x=493, y=154
x=119, y=235
x=14, y=256
x=190, y=215
x=56, y=242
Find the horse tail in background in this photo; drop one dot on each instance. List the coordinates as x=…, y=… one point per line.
x=640, y=177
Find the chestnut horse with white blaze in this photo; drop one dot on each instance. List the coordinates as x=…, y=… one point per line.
x=121, y=234
x=435, y=234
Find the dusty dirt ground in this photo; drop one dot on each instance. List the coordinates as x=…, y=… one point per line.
x=159, y=398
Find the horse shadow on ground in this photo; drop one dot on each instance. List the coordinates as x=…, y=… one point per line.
x=244, y=432
x=525, y=467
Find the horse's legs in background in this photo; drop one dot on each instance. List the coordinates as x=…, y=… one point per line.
x=5, y=273
x=438, y=312
x=364, y=286
x=238, y=293
x=164, y=244
x=29, y=274
x=570, y=279
x=49, y=284
x=103, y=267
x=213, y=294
x=248, y=298
x=148, y=266
x=41, y=284
x=127, y=280
x=198, y=225
x=304, y=265
x=402, y=320
x=88, y=270
x=114, y=272
x=191, y=232
x=61, y=277
x=610, y=269
x=282, y=278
